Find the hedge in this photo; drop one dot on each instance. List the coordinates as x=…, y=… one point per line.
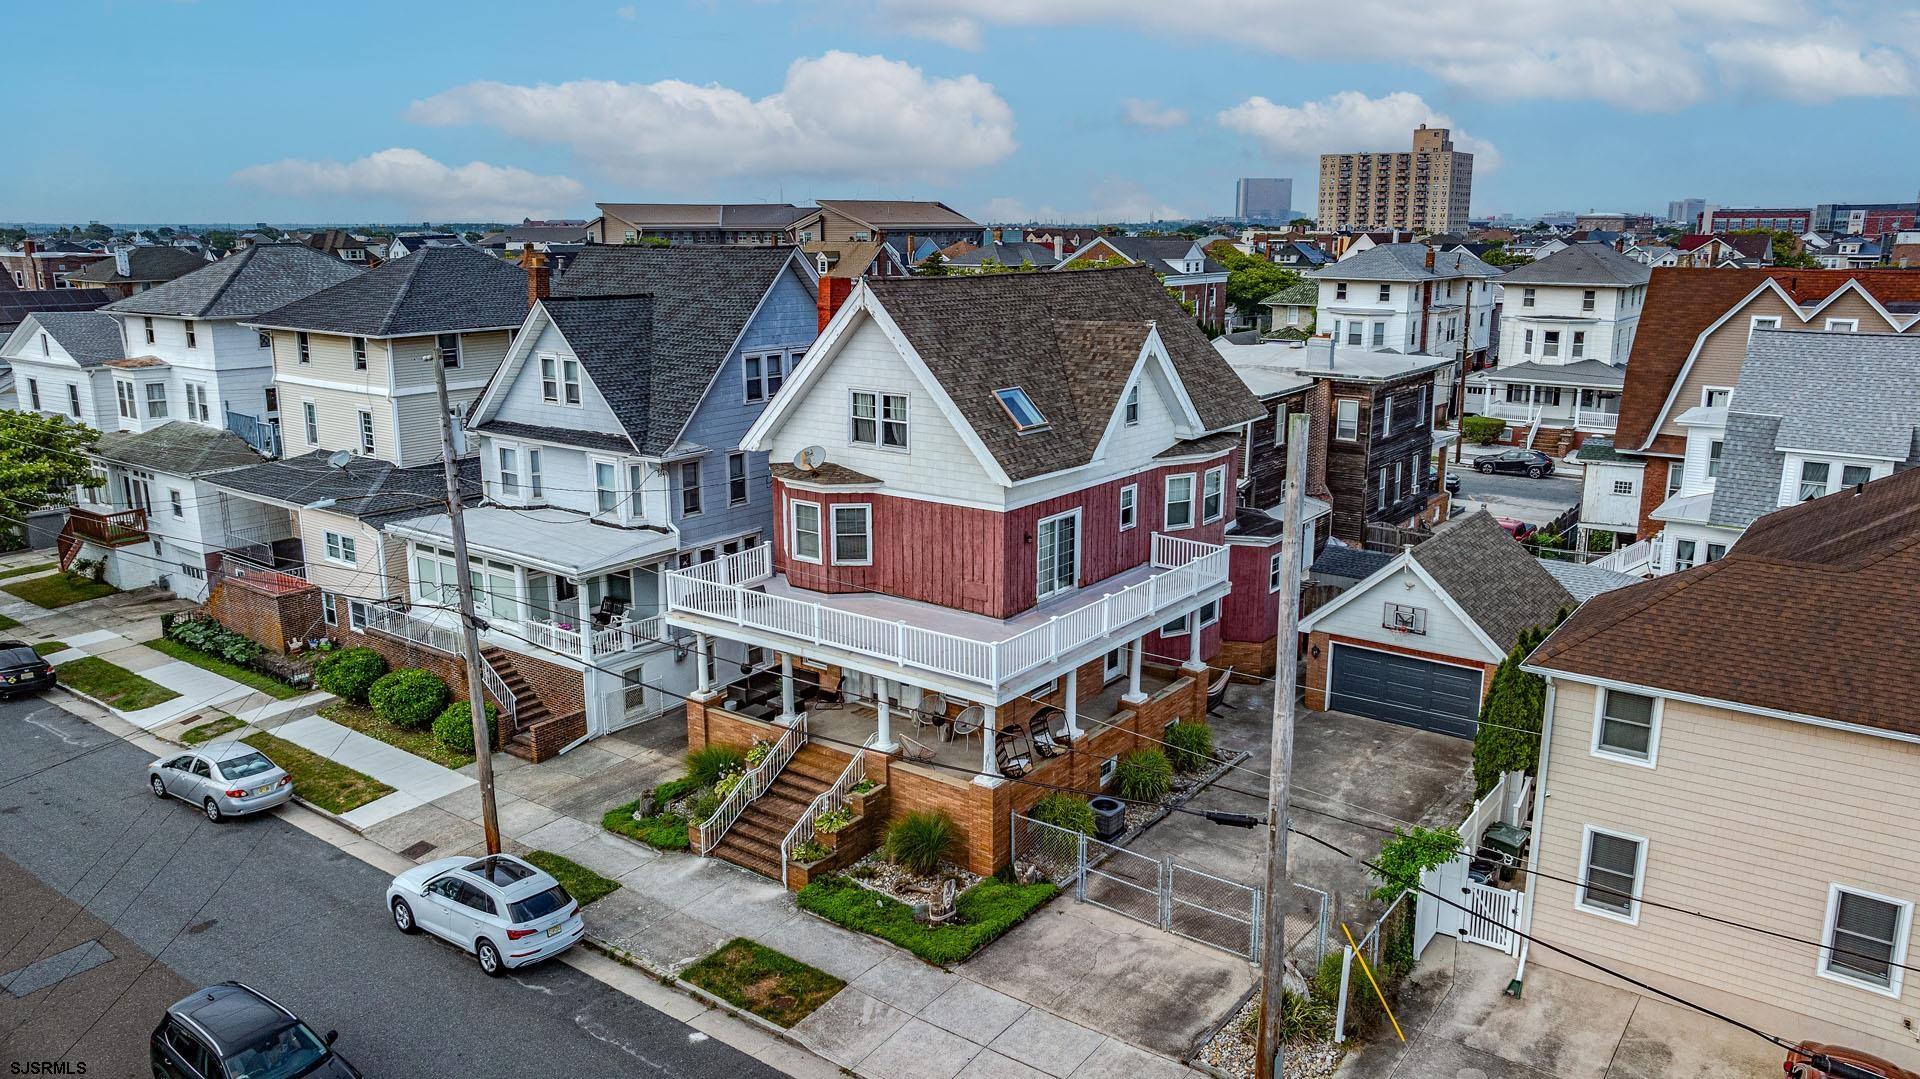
x=350, y=672
x=410, y=697
x=454, y=726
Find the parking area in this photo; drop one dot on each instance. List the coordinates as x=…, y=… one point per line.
x=1534, y=501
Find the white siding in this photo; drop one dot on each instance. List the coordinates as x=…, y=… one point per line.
x=1361, y=618
x=1130, y=449
x=1601, y=506
x=523, y=402
x=366, y=578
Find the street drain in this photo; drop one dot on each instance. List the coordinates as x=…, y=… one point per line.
x=417, y=851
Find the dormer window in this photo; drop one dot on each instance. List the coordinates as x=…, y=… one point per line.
x=1131, y=412
x=1020, y=408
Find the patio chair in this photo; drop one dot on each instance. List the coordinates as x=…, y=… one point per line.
x=966, y=724
x=1012, y=763
x=1042, y=736
x=1217, y=692
x=912, y=749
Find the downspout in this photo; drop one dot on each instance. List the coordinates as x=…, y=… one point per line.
x=1533, y=847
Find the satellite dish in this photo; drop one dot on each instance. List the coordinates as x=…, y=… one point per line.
x=338, y=459
x=810, y=458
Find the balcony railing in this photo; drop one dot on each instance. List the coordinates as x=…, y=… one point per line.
x=1597, y=420
x=110, y=528
x=722, y=590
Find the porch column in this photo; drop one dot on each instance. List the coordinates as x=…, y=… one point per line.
x=704, y=683
x=883, y=710
x=1072, y=703
x=788, y=714
x=1135, y=653
x=1194, y=664
x=989, y=729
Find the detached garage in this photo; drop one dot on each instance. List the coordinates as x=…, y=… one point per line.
x=1417, y=642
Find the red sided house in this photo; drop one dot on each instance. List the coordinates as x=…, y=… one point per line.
x=1000, y=503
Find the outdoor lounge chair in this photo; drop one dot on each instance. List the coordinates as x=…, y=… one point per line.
x=1217, y=692
x=912, y=749
x=1006, y=753
x=966, y=724
x=1042, y=737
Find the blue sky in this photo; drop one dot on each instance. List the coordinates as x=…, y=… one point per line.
x=1007, y=109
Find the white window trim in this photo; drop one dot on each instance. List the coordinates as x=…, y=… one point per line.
x=1077, y=535
x=329, y=609
x=1128, y=510
x=1852, y=325
x=1273, y=573
x=880, y=421
x=1130, y=407
x=1193, y=501
x=793, y=530
x=1706, y=394
x=1632, y=917
x=1337, y=403
x=833, y=540
x=519, y=494
x=1187, y=620
x=569, y=371
x=1653, y=734
x=1221, y=471
x=1903, y=934
x=594, y=488
x=326, y=548
x=746, y=478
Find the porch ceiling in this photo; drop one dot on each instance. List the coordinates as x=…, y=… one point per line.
x=558, y=541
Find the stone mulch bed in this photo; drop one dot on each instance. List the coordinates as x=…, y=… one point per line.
x=1232, y=1047
x=876, y=873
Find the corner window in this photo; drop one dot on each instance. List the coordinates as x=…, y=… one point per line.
x=1130, y=412
x=1627, y=726
x=879, y=419
x=736, y=479
x=304, y=347
x=1865, y=939
x=447, y=345
x=1213, y=494
x=853, y=535
x=1179, y=502
x=1346, y=419
x=689, y=488
x=1610, y=871
x=805, y=539
x=340, y=549
x=359, y=354
x=1026, y=416
x=1129, y=506
x=312, y=422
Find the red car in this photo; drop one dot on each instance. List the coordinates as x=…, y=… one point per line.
x=1517, y=529
x=1815, y=1060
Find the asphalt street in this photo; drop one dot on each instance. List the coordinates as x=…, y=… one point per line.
x=142, y=901
x=1533, y=501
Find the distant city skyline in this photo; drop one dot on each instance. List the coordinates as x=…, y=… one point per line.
x=957, y=100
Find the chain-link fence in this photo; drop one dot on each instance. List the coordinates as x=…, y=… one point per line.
x=1164, y=894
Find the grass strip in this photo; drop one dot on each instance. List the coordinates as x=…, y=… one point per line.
x=207, y=732
x=246, y=676
x=421, y=742
x=47, y=648
x=664, y=831
x=778, y=988
x=22, y=571
x=981, y=914
x=580, y=882
x=57, y=591
x=332, y=786
x=112, y=684
x=9, y=623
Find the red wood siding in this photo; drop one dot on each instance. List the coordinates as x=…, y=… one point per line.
x=1252, y=612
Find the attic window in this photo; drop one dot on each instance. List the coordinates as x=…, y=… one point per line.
x=1020, y=407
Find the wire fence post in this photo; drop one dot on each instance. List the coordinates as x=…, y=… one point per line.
x=1340, y=1009
x=1080, y=870
x=1166, y=893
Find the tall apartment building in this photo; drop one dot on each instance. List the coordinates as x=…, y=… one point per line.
x=1425, y=190
x=1263, y=199
x=1686, y=211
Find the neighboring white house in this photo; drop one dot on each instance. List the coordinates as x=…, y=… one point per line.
x=58, y=360
x=1407, y=298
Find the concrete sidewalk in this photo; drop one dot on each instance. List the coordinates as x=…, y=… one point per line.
x=415, y=780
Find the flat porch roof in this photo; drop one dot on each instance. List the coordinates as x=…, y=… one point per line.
x=559, y=541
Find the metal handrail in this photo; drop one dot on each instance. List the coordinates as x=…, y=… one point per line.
x=509, y=704
x=834, y=797
x=752, y=785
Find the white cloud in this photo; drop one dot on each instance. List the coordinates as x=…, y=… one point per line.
x=627, y=12
x=838, y=115
x=1142, y=113
x=1813, y=71
x=423, y=186
x=1638, y=54
x=1348, y=121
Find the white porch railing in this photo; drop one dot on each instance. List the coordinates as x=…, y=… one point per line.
x=393, y=622
x=509, y=705
x=552, y=635
x=1596, y=419
x=834, y=797
x=1635, y=558
x=629, y=636
x=752, y=785
x=721, y=590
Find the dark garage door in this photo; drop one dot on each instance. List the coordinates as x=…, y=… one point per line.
x=1401, y=689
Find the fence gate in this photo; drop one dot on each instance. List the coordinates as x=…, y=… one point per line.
x=1494, y=910
x=1206, y=908
x=1122, y=881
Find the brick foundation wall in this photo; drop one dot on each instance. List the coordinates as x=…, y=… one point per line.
x=1316, y=670
x=269, y=618
x=1250, y=660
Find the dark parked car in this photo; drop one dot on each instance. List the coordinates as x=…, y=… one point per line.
x=229, y=1030
x=22, y=670
x=1453, y=483
x=1526, y=462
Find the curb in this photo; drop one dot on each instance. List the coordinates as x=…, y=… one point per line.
x=334, y=817
x=674, y=982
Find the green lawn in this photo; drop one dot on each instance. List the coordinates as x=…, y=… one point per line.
x=667, y=831
x=420, y=743
x=47, y=648
x=981, y=913
x=112, y=684
x=333, y=787
x=207, y=732
x=22, y=571
x=9, y=623
x=775, y=987
x=582, y=883
x=246, y=676
x=58, y=590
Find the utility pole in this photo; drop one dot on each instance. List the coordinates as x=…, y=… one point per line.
x=469, y=633
x=1286, y=675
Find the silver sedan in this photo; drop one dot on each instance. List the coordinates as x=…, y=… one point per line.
x=225, y=779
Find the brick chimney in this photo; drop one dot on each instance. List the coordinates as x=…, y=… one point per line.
x=1429, y=257
x=27, y=248
x=1620, y=243
x=833, y=292
x=539, y=277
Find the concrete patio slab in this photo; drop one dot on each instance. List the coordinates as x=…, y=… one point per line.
x=974, y=1011
x=1047, y=1043
x=850, y=1026
x=919, y=1051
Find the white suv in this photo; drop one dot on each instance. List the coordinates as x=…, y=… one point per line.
x=503, y=911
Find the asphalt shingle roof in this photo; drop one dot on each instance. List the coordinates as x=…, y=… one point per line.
x=1577, y=373
x=1157, y=251
x=177, y=447
x=1403, y=262
x=1069, y=339
x=367, y=488
x=256, y=279
x=1299, y=294
x=653, y=324
x=438, y=290
x=145, y=264
x=899, y=213
x=1581, y=264
x=90, y=337
x=1354, y=563
x=1493, y=579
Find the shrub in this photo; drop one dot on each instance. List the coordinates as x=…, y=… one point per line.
x=1410, y=853
x=864, y=786
x=725, y=784
x=710, y=762
x=666, y=831
x=833, y=820
x=672, y=791
x=1190, y=745
x=350, y=673
x=409, y=698
x=920, y=840
x=1143, y=776
x=1064, y=810
x=981, y=914
x=1482, y=430
x=810, y=851
x=206, y=635
x=706, y=806
x=454, y=726
x=758, y=751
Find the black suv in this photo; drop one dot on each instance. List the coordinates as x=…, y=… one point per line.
x=1525, y=462
x=229, y=1030
x=22, y=670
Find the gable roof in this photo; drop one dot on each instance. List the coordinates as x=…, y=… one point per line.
x=177, y=447
x=254, y=279
x=367, y=488
x=1581, y=264
x=1403, y=262
x=1158, y=251
x=90, y=337
x=334, y=241
x=438, y=290
x=652, y=325
x=849, y=258
x=1832, y=579
x=1071, y=340
x=714, y=215
x=143, y=264
x=1298, y=294
x=1501, y=587
x=896, y=213
x=1007, y=254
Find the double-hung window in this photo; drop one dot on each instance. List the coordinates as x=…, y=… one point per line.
x=1273, y=573
x=509, y=458
x=1129, y=506
x=73, y=400
x=1550, y=343
x=193, y=338
x=366, y=430
x=1213, y=498
x=570, y=375
x=1610, y=872
x=853, y=535
x=549, y=379
x=1686, y=554
x=1713, y=459
x=304, y=347
x=311, y=420
x=123, y=393
x=606, y=487
x=1527, y=296
x=1626, y=725
x=146, y=327
x=1579, y=344
x=1280, y=425
x=329, y=608
x=1386, y=416
x=1354, y=331
x=1379, y=335
x=805, y=539
x=448, y=346
x=736, y=479
x=1057, y=555
x=179, y=507
x=689, y=488
x=1587, y=300
x=1130, y=414
x=1346, y=419
x=1179, y=502
x=533, y=473
x=1526, y=343
x=156, y=400
x=1813, y=479
x=1340, y=290
x=197, y=403
x=359, y=354
x=1866, y=939
x=1386, y=293
x=341, y=549
x=764, y=374
x=879, y=419
x=1853, y=475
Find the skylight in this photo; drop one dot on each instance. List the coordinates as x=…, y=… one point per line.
x=1020, y=407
